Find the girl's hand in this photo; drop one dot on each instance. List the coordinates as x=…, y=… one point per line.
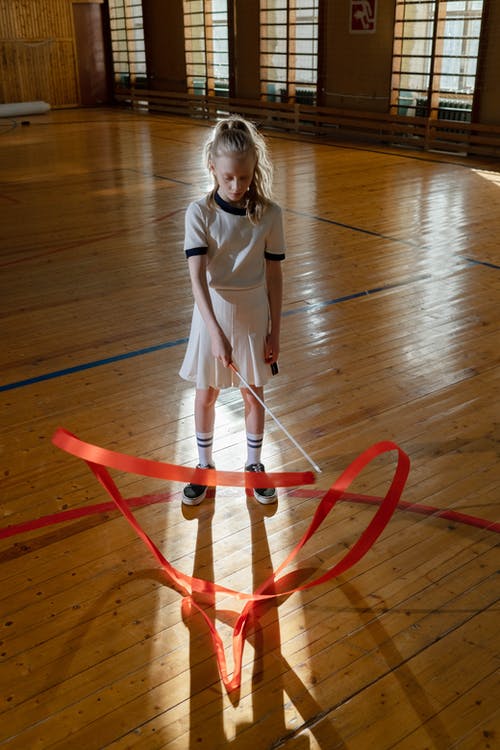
x=272, y=349
x=221, y=348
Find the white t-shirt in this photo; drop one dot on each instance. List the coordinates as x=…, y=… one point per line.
x=236, y=248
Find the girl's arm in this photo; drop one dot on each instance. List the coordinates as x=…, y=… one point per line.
x=274, y=280
x=221, y=348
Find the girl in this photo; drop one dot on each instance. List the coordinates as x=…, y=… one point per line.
x=234, y=242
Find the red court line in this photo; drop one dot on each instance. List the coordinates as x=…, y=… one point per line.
x=141, y=502
x=75, y=513
x=9, y=198
x=420, y=508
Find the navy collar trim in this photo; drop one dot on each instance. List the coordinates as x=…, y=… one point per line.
x=228, y=207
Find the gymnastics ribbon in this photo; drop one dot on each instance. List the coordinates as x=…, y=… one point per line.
x=99, y=459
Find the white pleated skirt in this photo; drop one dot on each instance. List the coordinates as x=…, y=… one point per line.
x=243, y=315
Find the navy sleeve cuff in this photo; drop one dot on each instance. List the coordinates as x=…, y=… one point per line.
x=196, y=251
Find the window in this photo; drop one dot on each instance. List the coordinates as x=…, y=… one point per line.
x=289, y=50
x=127, y=41
x=436, y=46
x=207, y=46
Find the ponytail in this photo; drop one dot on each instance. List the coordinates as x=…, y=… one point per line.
x=235, y=135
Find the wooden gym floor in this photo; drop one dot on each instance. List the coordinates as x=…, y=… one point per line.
x=391, y=332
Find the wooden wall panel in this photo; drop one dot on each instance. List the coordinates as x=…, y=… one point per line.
x=91, y=53
x=358, y=66
x=45, y=71
x=246, y=49
x=37, y=52
x=165, y=51
x=36, y=19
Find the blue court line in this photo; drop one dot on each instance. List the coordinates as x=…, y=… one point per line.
x=169, y=344
x=177, y=342
x=91, y=365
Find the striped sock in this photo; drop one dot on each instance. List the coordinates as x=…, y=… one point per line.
x=205, y=441
x=254, y=448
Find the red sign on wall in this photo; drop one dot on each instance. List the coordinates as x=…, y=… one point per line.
x=363, y=13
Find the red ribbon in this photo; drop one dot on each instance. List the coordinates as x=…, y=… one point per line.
x=99, y=459
x=94, y=454
x=277, y=585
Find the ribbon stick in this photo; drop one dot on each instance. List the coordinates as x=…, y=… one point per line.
x=280, y=425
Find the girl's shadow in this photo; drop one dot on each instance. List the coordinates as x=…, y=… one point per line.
x=273, y=679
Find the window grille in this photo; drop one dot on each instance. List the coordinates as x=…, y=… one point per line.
x=436, y=48
x=207, y=46
x=289, y=50
x=127, y=41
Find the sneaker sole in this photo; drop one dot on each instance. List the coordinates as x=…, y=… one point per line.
x=265, y=500
x=194, y=500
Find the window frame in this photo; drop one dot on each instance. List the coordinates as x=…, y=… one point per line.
x=435, y=99
x=291, y=84
x=128, y=48
x=201, y=64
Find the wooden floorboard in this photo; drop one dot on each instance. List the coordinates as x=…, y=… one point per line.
x=391, y=331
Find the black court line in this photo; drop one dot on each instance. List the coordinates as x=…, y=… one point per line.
x=342, y=225
x=475, y=262
x=158, y=176
x=356, y=295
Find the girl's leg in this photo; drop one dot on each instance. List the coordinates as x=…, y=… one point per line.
x=254, y=423
x=204, y=419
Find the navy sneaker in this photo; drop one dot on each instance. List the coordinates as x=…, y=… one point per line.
x=193, y=494
x=265, y=496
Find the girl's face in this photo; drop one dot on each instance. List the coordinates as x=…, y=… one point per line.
x=234, y=174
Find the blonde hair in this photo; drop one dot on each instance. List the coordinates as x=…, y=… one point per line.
x=235, y=135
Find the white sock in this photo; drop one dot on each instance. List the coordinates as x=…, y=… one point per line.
x=254, y=448
x=205, y=441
